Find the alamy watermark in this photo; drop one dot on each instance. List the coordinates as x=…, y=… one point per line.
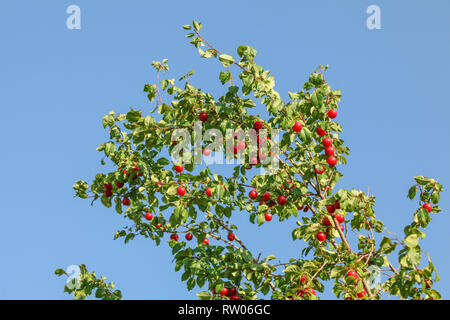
x=74, y=279
x=237, y=146
x=374, y=20
x=74, y=20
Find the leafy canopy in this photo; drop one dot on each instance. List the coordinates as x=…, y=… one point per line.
x=140, y=145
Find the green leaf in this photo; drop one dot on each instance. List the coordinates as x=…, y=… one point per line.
x=387, y=246
x=246, y=52
x=172, y=190
x=59, y=272
x=412, y=240
x=197, y=26
x=110, y=148
x=191, y=283
x=435, y=197
x=265, y=288
x=106, y=201
x=204, y=295
x=108, y=120
x=225, y=76
x=412, y=192
x=133, y=116
x=226, y=60
x=260, y=219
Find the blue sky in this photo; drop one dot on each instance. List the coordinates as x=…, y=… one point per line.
x=56, y=84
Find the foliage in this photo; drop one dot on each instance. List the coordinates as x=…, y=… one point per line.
x=138, y=143
x=86, y=283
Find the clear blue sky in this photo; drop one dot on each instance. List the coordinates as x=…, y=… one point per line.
x=56, y=84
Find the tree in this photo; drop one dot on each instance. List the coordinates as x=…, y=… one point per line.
x=297, y=178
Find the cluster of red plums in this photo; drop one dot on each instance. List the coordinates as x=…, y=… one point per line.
x=355, y=277
x=281, y=200
x=231, y=293
x=326, y=142
x=119, y=184
x=306, y=291
x=331, y=209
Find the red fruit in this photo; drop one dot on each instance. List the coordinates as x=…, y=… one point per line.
x=342, y=227
x=427, y=207
x=188, y=236
x=348, y=298
x=214, y=291
x=254, y=161
x=332, y=114
x=126, y=201
x=297, y=126
x=181, y=191
x=353, y=274
x=108, y=186
x=203, y=116
x=136, y=167
x=235, y=149
x=232, y=292
x=266, y=196
x=242, y=145
x=108, y=193
x=307, y=291
x=148, y=216
x=320, y=131
x=208, y=192
x=253, y=194
x=327, y=142
x=321, y=236
x=428, y=284
x=268, y=216
x=124, y=171
x=281, y=200
x=119, y=184
x=174, y=237
x=326, y=221
x=330, y=208
x=258, y=125
x=319, y=171
x=337, y=205
x=303, y=279
x=329, y=151
x=282, y=186
x=206, y=241
x=340, y=218
x=235, y=297
x=174, y=142
x=179, y=169
x=206, y=152
x=158, y=225
x=332, y=161
x=300, y=208
x=306, y=209
x=231, y=236
x=361, y=294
